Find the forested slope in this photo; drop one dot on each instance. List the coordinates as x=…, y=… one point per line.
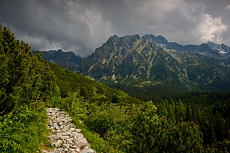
x=186, y=122
x=70, y=82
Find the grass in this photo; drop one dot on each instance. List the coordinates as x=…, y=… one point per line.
x=24, y=132
x=76, y=107
x=97, y=143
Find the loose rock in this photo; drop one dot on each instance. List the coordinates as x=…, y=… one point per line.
x=64, y=135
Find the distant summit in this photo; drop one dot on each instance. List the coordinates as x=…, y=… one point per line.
x=221, y=49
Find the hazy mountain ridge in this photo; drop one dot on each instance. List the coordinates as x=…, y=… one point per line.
x=67, y=60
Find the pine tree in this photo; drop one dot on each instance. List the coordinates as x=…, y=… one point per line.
x=25, y=78
x=189, y=116
x=181, y=110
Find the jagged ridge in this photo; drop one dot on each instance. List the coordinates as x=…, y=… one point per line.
x=151, y=60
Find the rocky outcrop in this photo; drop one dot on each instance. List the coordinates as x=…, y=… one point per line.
x=64, y=136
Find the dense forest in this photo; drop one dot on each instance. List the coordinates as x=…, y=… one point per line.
x=110, y=119
x=167, y=91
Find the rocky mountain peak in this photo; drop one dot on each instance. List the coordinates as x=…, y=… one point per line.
x=112, y=40
x=150, y=60
x=157, y=40
x=222, y=49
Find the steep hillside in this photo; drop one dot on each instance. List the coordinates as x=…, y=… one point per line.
x=70, y=82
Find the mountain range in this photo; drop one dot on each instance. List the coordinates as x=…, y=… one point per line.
x=152, y=61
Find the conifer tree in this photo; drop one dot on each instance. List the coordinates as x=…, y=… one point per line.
x=25, y=78
x=181, y=110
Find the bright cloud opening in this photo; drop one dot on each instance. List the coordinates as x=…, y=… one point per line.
x=211, y=29
x=227, y=7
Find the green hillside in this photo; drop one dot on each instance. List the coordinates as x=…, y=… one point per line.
x=125, y=124
x=111, y=120
x=70, y=82
x=25, y=85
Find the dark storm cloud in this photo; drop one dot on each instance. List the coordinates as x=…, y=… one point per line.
x=83, y=25
x=213, y=7
x=47, y=24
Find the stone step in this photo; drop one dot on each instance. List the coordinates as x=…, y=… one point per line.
x=64, y=136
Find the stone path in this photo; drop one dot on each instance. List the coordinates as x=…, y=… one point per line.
x=65, y=137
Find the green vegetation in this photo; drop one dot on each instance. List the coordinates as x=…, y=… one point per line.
x=24, y=131
x=24, y=78
x=70, y=82
x=25, y=85
x=111, y=120
x=167, y=126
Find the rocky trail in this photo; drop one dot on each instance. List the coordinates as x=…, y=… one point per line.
x=64, y=136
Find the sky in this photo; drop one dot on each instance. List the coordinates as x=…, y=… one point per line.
x=83, y=25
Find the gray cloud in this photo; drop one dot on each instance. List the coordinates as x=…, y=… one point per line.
x=83, y=25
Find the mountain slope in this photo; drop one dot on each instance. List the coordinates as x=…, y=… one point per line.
x=150, y=60
x=70, y=82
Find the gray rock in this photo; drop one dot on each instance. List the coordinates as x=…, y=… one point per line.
x=59, y=142
x=78, y=149
x=78, y=130
x=65, y=138
x=58, y=130
x=56, y=144
x=59, y=123
x=66, y=145
x=82, y=143
x=56, y=150
x=72, y=129
x=52, y=136
x=78, y=136
x=58, y=136
x=54, y=125
x=87, y=150
x=74, y=147
x=65, y=133
x=60, y=149
x=66, y=149
x=68, y=141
